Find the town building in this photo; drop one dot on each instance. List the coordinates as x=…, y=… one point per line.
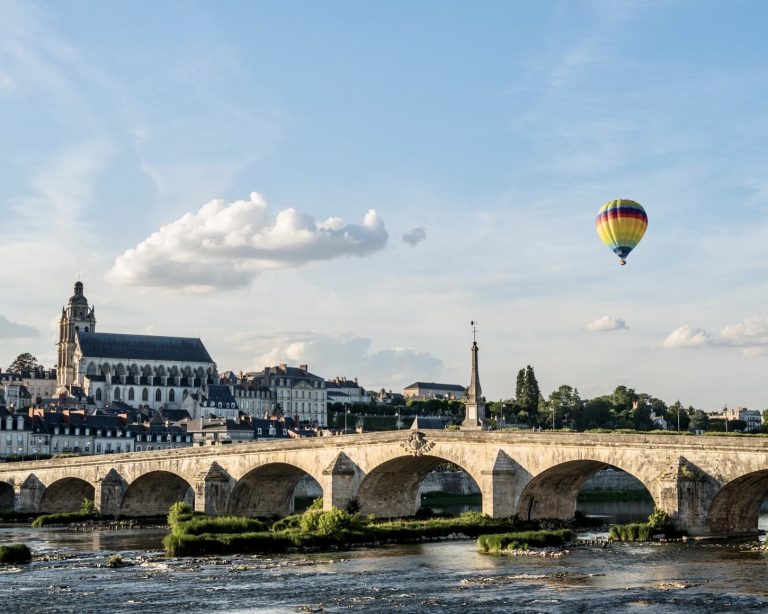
x=345, y=391
x=297, y=393
x=752, y=417
x=50, y=433
x=423, y=391
x=138, y=370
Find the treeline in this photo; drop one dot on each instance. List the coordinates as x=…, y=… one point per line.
x=564, y=408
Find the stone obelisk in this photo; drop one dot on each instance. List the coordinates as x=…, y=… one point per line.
x=474, y=416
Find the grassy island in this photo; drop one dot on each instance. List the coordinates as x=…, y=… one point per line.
x=522, y=540
x=195, y=534
x=15, y=554
x=659, y=523
x=87, y=512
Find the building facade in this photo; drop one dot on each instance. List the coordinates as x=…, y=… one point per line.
x=422, y=391
x=345, y=391
x=297, y=393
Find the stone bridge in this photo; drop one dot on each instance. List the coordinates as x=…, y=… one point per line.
x=710, y=485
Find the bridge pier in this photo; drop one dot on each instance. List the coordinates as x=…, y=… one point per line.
x=685, y=493
x=502, y=486
x=109, y=492
x=341, y=479
x=213, y=488
x=28, y=495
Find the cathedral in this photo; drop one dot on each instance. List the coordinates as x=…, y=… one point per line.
x=137, y=370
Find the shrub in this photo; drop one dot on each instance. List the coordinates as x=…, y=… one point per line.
x=88, y=507
x=309, y=520
x=115, y=561
x=178, y=512
x=352, y=506
x=288, y=522
x=335, y=521
x=317, y=504
x=15, y=554
x=659, y=519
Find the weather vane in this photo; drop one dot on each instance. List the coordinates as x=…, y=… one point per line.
x=473, y=324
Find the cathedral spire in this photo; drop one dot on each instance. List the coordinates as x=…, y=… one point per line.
x=474, y=418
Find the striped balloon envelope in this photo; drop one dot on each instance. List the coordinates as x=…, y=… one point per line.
x=621, y=224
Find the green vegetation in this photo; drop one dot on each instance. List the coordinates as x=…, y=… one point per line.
x=63, y=518
x=193, y=535
x=87, y=506
x=179, y=511
x=87, y=511
x=115, y=561
x=500, y=542
x=659, y=522
x=15, y=554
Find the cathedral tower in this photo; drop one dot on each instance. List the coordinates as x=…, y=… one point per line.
x=474, y=417
x=76, y=316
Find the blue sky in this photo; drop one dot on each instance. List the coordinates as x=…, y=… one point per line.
x=486, y=133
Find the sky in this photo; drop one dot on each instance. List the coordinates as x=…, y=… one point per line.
x=348, y=184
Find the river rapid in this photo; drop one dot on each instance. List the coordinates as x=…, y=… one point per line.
x=69, y=575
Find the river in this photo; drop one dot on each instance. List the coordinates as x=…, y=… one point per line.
x=432, y=577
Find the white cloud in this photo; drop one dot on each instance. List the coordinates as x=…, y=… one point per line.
x=415, y=236
x=688, y=337
x=333, y=355
x=227, y=245
x=751, y=335
x=606, y=323
x=10, y=329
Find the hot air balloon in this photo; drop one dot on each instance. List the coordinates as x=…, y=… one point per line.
x=621, y=224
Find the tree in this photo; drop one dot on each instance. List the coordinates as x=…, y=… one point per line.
x=564, y=403
x=699, y=420
x=596, y=414
x=520, y=385
x=23, y=362
x=677, y=410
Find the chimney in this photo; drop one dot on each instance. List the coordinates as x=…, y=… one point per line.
x=283, y=366
x=303, y=368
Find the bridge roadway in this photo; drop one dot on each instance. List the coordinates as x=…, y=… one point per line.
x=710, y=485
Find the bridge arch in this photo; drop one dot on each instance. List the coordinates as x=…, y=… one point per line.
x=66, y=495
x=736, y=507
x=553, y=492
x=6, y=497
x=266, y=491
x=391, y=489
x=153, y=493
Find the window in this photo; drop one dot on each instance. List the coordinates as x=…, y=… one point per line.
x=98, y=394
x=145, y=395
x=258, y=431
x=172, y=396
x=158, y=396
x=130, y=394
x=117, y=394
